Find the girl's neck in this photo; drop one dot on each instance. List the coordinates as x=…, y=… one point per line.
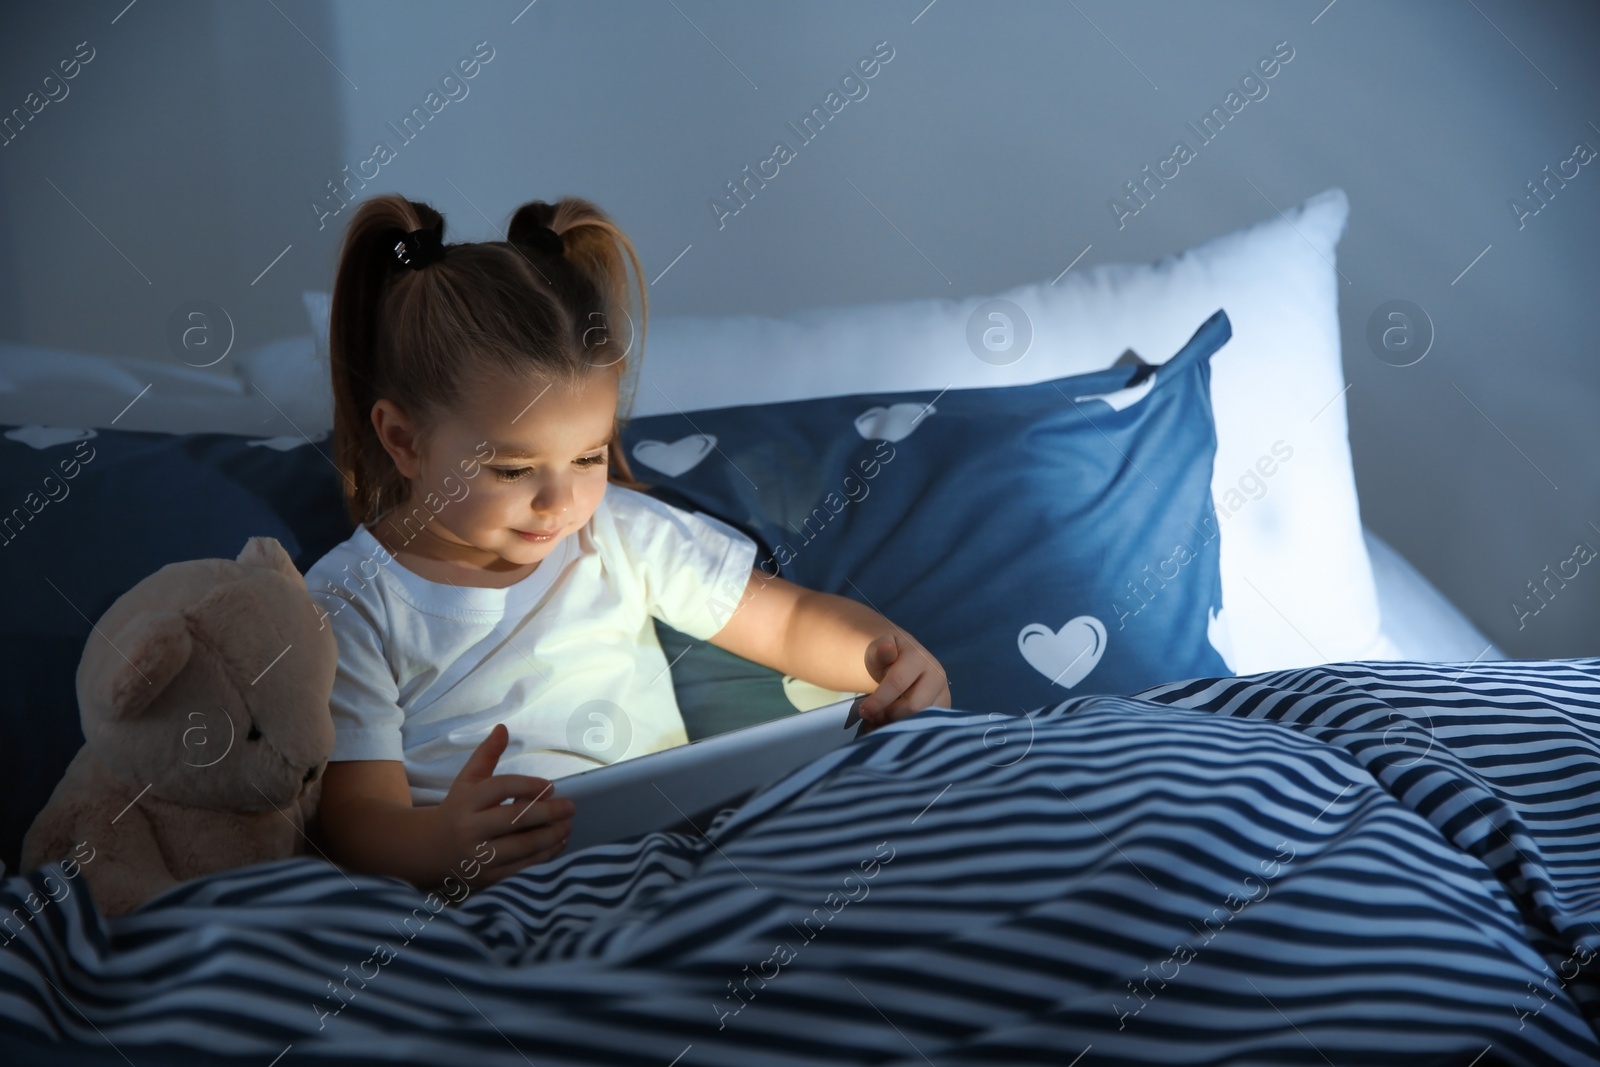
x=424, y=553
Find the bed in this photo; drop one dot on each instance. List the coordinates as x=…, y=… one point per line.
x=1346, y=862
x=1297, y=808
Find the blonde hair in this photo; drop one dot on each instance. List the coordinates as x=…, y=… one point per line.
x=419, y=337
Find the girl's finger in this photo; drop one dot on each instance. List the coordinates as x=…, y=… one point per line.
x=506, y=820
x=525, y=815
x=900, y=709
x=920, y=695
x=881, y=654
x=905, y=675
x=518, y=788
x=536, y=848
x=517, y=850
x=873, y=704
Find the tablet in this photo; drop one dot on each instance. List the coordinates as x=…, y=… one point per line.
x=682, y=787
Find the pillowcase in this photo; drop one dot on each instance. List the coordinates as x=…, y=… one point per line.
x=1041, y=540
x=1295, y=572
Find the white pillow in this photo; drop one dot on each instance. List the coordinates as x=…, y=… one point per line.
x=292, y=373
x=293, y=377
x=1297, y=584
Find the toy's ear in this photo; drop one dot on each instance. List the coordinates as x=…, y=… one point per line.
x=151, y=649
x=267, y=552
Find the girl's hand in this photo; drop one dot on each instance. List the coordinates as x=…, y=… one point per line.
x=486, y=839
x=909, y=679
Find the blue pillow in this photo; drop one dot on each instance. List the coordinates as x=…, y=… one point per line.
x=1043, y=541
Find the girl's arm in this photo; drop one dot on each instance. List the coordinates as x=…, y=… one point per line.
x=369, y=824
x=836, y=643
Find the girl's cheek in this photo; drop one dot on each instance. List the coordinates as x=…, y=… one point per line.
x=484, y=504
x=507, y=503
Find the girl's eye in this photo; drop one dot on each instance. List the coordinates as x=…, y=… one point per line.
x=511, y=474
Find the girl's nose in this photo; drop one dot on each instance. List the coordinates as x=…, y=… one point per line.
x=553, y=500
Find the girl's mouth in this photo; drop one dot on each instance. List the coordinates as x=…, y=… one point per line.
x=537, y=536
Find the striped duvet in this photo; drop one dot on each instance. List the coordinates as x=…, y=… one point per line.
x=1359, y=863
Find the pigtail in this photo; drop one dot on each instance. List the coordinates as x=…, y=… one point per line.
x=367, y=274
x=590, y=279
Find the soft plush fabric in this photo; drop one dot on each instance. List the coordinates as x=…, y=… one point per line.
x=567, y=658
x=1038, y=539
x=1295, y=573
x=1171, y=885
x=203, y=693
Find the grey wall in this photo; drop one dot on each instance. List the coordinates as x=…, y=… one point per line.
x=200, y=136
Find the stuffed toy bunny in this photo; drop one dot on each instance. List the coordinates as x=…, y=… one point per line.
x=203, y=695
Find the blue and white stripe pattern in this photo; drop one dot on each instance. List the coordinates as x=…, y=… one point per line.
x=1502, y=758
x=1362, y=863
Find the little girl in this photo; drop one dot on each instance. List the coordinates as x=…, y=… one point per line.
x=494, y=605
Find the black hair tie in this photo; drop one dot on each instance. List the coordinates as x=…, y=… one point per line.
x=418, y=248
x=548, y=240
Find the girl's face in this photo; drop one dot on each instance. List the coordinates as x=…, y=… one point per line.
x=516, y=461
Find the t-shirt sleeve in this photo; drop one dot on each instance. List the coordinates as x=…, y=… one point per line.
x=694, y=566
x=365, y=700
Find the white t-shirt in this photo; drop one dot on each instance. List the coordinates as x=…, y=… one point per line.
x=567, y=658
